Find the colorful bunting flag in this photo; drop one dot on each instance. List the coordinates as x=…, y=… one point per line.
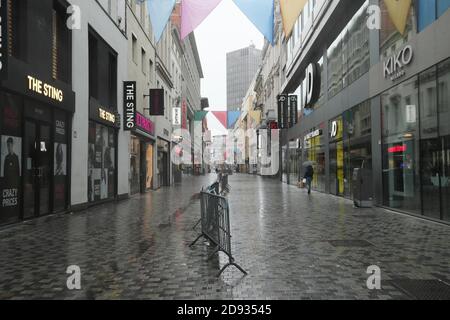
x=290, y=11
x=193, y=12
x=399, y=12
x=200, y=115
x=233, y=117
x=221, y=116
x=261, y=14
x=160, y=11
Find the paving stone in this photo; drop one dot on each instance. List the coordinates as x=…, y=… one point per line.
x=280, y=237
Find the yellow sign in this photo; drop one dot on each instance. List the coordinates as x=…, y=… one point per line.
x=107, y=116
x=45, y=89
x=399, y=11
x=290, y=11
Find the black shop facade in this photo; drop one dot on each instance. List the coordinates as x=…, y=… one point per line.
x=35, y=144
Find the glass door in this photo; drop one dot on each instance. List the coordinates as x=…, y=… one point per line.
x=44, y=165
x=37, y=173
x=29, y=194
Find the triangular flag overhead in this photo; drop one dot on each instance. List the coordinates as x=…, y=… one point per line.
x=233, y=117
x=160, y=11
x=221, y=116
x=399, y=11
x=261, y=14
x=193, y=12
x=200, y=115
x=290, y=11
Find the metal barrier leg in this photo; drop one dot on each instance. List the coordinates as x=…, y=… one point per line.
x=196, y=225
x=196, y=240
x=216, y=251
x=229, y=265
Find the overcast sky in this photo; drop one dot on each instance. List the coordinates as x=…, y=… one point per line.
x=226, y=29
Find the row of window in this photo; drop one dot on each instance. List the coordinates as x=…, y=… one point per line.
x=20, y=16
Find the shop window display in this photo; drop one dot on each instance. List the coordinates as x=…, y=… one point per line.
x=400, y=147
x=10, y=158
x=444, y=132
x=101, y=166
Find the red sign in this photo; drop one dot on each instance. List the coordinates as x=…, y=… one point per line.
x=184, y=115
x=397, y=149
x=145, y=124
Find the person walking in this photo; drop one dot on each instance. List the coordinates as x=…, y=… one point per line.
x=309, y=175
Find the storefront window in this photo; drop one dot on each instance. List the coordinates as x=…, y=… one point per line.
x=294, y=162
x=400, y=147
x=285, y=163
x=135, y=165
x=101, y=166
x=10, y=158
x=314, y=154
x=60, y=162
x=358, y=142
x=430, y=144
x=444, y=131
x=350, y=147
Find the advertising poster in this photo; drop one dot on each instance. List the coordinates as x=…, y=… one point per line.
x=60, y=159
x=10, y=177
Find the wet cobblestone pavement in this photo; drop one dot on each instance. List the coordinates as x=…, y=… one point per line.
x=139, y=248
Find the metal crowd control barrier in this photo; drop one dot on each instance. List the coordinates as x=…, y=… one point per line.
x=215, y=223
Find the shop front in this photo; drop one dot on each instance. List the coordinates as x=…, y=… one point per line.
x=141, y=155
x=314, y=155
x=35, y=146
x=416, y=144
x=350, y=148
x=163, y=174
x=104, y=125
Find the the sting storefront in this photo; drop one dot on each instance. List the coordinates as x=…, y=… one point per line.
x=104, y=121
x=36, y=108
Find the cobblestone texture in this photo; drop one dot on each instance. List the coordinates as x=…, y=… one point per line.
x=139, y=248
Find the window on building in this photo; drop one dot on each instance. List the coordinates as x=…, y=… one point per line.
x=61, y=48
x=17, y=25
x=150, y=71
x=134, y=48
x=93, y=66
x=143, y=61
x=112, y=77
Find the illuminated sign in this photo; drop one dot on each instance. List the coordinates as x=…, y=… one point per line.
x=334, y=129
x=311, y=86
x=129, y=96
x=313, y=134
x=45, y=89
x=176, y=116
x=107, y=116
x=398, y=149
x=394, y=67
x=145, y=124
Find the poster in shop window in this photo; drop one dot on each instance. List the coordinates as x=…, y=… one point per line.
x=10, y=173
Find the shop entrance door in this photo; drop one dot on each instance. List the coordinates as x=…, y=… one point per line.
x=38, y=163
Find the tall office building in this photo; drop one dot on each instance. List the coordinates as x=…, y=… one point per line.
x=242, y=66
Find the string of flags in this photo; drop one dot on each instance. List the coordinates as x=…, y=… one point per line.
x=194, y=12
x=227, y=118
